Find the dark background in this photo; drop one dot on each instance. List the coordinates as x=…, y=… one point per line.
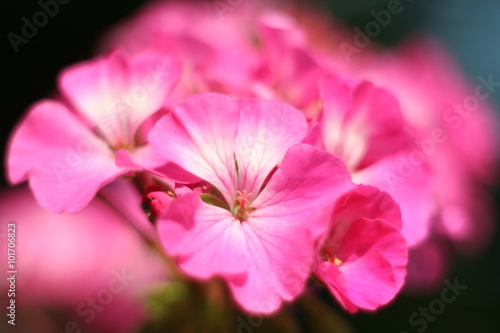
x=469, y=28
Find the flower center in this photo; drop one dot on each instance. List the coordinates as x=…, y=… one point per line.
x=242, y=205
x=329, y=255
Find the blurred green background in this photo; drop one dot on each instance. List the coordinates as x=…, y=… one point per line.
x=470, y=29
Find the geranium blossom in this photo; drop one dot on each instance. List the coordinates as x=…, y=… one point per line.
x=362, y=256
x=66, y=260
x=218, y=54
x=262, y=224
x=364, y=126
x=67, y=151
x=454, y=124
x=456, y=139
x=258, y=150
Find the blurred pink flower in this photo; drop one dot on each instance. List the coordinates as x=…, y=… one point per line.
x=288, y=70
x=456, y=136
x=263, y=215
x=428, y=266
x=260, y=52
x=68, y=153
x=362, y=255
x=363, y=125
x=218, y=54
x=66, y=260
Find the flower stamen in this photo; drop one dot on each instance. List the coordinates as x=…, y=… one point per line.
x=242, y=205
x=329, y=255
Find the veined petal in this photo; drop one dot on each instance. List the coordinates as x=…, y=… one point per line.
x=360, y=122
x=117, y=94
x=336, y=98
x=207, y=240
x=266, y=130
x=376, y=113
x=307, y=181
x=280, y=256
x=65, y=161
x=153, y=77
x=199, y=136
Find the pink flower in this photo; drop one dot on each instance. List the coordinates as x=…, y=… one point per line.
x=260, y=52
x=217, y=52
x=454, y=124
x=270, y=189
x=288, y=69
x=416, y=73
x=68, y=152
x=457, y=138
x=65, y=260
x=363, y=125
x=362, y=256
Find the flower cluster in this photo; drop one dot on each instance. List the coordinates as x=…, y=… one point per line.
x=263, y=157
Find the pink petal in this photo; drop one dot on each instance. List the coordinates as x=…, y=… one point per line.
x=142, y=158
x=66, y=163
x=66, y=258
x=369, y=202
x=365, y=234
x=370, y=254
x=158, y=75
x=377, y=112
x=34, y=138
x=361, y=123
x=266, y=130
x=122, y=194
x=199, y=136
x=410, y=187
x=288, y=67
x=116, y=94
x=247, y=134
x=370, y=281
x=145, y=159
x=77, y=188
x=307, y=181
x=279, y=250
x=336, y=97
x=373, y=255
x=366, y=283
x=207, y=239
x=361, y=208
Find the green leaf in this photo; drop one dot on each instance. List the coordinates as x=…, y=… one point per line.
x=214, y=201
